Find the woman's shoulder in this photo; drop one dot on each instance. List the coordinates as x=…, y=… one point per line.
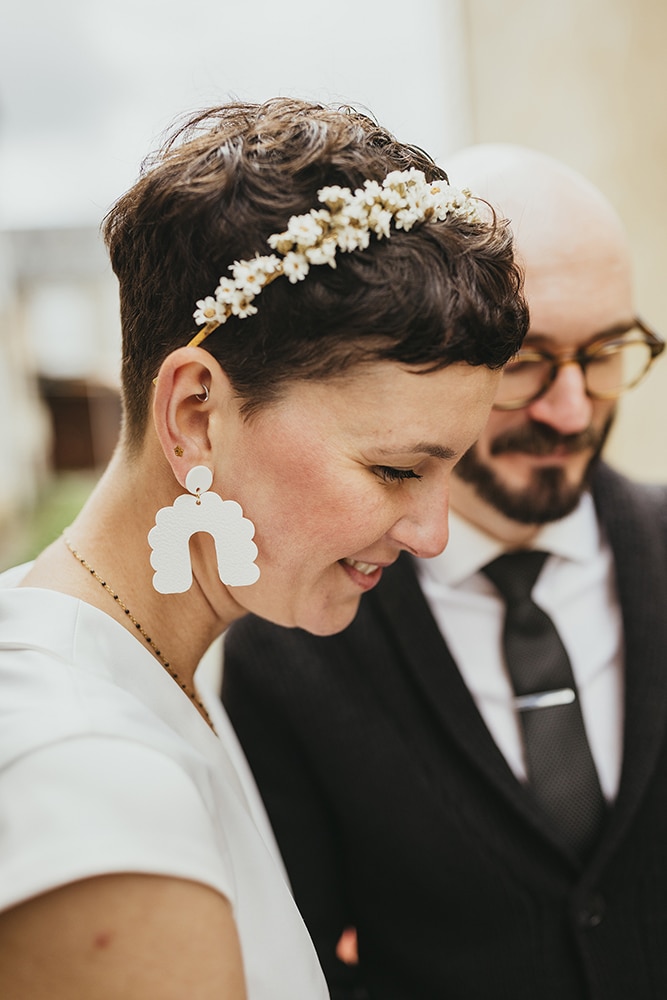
x=109, y=805
x=12, y=577
x=70, y=674
x=85, y=758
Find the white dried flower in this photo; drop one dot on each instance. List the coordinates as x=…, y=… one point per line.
x=353, y=238
x=226, y=290
x=242, y=307
x=379, y=220
x=281, y=242
x=405, y=218
x=246, y=277
x=207, y=310
x=325, y=253
x=295, y=266
x=305, y=230
x=334, y=197
x=370, y=193
x=354, y=213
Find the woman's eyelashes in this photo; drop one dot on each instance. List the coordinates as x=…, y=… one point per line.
x=391, y=475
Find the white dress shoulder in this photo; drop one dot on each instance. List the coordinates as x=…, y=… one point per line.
x=105, y=766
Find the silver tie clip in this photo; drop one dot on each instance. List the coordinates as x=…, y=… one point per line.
x=544, y=699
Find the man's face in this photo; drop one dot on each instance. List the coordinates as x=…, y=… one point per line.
x=531, y=465
x=531, y=472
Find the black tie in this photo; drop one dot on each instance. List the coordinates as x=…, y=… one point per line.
x=561, y=771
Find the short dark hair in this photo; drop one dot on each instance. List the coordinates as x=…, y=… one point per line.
x=231, y=176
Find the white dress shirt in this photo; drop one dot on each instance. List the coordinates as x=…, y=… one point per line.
x=576, y=589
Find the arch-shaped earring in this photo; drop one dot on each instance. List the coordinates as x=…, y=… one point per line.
x=203, y=395
x=200, y=510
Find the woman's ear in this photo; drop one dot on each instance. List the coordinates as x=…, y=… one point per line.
x=190, y=388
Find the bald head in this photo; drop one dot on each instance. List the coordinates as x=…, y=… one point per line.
x=544, y=198
x=569, y=238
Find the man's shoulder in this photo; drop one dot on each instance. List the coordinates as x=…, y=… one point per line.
x=614, y=492
x=633, y=518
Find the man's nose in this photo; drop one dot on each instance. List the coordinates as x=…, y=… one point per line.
x=565, y=406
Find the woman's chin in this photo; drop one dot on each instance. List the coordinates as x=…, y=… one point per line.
x=330, y=620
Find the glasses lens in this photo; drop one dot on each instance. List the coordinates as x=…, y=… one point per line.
x=617, y=365
x=523, y=379
x=611, y=367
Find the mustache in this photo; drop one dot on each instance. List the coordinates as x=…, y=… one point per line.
x=540, y=439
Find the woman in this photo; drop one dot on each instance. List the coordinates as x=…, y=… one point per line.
x=276, y=462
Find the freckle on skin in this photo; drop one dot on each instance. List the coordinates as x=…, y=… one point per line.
x=102, y=939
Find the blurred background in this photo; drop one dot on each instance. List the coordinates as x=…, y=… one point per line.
x=88, y=87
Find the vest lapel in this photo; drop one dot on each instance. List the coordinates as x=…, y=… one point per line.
x=635, y=522
x=422, y=651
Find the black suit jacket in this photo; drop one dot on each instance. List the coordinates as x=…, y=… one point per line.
x=396, y=812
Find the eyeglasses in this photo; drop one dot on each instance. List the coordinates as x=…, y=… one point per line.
x=610, y=366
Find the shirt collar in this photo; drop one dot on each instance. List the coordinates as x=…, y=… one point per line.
x=575, y=537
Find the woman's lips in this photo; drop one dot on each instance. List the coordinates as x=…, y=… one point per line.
x=364, y=574
x=364, y=567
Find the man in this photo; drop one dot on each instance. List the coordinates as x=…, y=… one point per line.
x=397, y=759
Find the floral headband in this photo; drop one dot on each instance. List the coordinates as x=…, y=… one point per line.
x=403, y=198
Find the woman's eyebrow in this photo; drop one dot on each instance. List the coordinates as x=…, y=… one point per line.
x=424, y=448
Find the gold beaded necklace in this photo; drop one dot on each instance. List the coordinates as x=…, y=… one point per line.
x=192, y=695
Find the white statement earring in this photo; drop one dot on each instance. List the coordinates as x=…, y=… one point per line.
x=199, y=510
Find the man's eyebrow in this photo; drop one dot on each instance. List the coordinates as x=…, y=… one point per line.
x=424, y=448
x=613, y=331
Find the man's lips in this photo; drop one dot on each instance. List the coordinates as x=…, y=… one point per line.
x=559, y=453
x=542, y=442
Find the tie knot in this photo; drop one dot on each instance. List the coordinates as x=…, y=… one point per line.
x=515, y=573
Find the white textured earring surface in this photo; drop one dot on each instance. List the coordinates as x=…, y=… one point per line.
x=199, y=510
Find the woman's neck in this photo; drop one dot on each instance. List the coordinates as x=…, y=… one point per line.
x=110, y=569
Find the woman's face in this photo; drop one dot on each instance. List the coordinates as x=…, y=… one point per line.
x=340, y=476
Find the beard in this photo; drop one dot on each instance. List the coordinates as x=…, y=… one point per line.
x=549, y=496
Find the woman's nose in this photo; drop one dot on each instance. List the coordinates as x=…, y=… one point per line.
x=423, y=530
